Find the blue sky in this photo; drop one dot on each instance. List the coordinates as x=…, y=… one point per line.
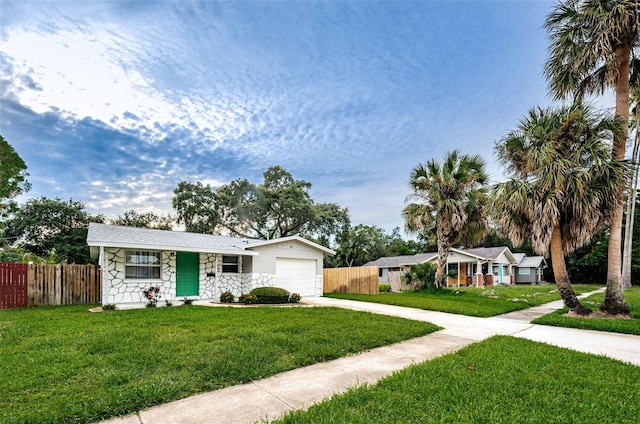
x=114, y=103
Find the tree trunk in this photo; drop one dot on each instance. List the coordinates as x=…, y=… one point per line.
x=631, y=208
x=443, y=232
x=614, y=298
x=562, y=277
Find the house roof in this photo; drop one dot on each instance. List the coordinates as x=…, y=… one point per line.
x=258, y=243
x=144, y=238
x=481, y=253
x=398, y=261
x=532, y=262
x=519, y=256
x=490, y=253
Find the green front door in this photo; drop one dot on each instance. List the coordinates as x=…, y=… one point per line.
x=187, y=270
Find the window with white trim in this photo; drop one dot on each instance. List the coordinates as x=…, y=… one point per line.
x=524, y=271
x=142, y=265
x=230, y=264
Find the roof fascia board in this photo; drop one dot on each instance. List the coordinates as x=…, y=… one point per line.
x=291, y=238
x=174, y=248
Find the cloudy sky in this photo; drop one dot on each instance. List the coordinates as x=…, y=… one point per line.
x=113, y=103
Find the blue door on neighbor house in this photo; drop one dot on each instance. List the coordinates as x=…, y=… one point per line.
x=187, y=272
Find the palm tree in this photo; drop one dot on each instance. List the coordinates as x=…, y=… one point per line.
x=591, y=49
x=563, y=184
x=451, y=201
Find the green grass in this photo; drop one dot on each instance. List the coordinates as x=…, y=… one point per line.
x=632, y=296
x=487, y=302
x=63, y=364
x=500, y=380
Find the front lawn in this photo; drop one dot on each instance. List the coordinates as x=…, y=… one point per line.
x=632, y=296
x=63, y=364
x=487, y=302
x=500, y=380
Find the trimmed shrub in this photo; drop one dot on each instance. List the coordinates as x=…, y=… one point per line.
x=248, y=299
x=384, y=288
x=294, y=298
x=271, y=295
x=227, y=297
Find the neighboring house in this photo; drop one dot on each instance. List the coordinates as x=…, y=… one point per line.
x=200, y=266
x=479, y=266
x=529, y=269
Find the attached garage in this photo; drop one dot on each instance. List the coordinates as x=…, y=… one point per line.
x=292, y=263
x=296, y=275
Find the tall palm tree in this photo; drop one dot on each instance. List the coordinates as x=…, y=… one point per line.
x=451, y=200
x=563, y=184
x=591, y=49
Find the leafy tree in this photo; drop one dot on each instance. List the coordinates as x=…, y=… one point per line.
x=452, y=197
x=194, y=205
x=13, y=176
x=131, y=218
x=587, y=264
x=281, y=206
x=52, y=226
x=563, y=185
x=591, y=49
x=495, y=238
x=361, y=244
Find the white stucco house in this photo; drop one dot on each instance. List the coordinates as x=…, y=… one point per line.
x=200, y=266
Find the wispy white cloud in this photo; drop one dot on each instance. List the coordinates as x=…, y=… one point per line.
x=114, y=103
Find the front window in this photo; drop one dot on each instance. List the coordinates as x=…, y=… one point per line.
x=142, y=265
x=230, y=264
x=524, y=271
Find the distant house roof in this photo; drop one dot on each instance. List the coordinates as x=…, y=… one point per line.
x=519, y=256
x=144, y=238
x=399, y=261
x=491, y=253
x=481, y=253
x=532, y=262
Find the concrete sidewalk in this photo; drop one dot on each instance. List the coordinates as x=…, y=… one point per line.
x=300, y=388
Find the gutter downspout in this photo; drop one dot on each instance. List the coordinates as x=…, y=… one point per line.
x=103, y=270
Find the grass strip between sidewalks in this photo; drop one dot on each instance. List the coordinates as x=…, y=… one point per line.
x=500, y=380
x=487, y=302
x=632, y=326
x=63, y=364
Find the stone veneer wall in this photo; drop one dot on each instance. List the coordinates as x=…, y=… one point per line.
x=212, y=287
x=119, y=290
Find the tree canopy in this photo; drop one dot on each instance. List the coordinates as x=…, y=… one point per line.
x=132, y=218
x=591, y=49
x=563, y=184
x=13, y=176
x=451, y=198
x=278, y=207
x=46, y=227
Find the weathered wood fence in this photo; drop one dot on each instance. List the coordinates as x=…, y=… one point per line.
x=49, y=285
x=361, y=279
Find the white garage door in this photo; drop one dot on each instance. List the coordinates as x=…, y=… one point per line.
x=296, y=275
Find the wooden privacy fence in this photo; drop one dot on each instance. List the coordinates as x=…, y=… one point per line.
x=52, y=285
x=361, y=279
